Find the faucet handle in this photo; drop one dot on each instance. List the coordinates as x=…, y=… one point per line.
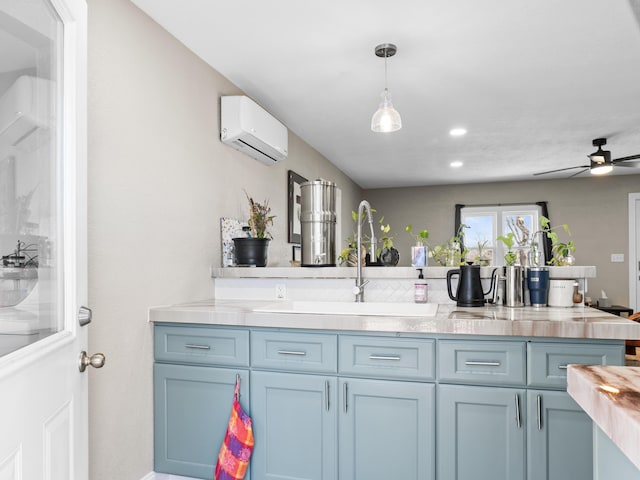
x=359, y=288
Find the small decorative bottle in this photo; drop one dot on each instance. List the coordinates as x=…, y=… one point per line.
x=420, y=293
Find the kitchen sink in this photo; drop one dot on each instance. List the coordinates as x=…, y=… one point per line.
x=353, y=308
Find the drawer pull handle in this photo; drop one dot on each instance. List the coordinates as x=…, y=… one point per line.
x=292, y=352
x=197, y=347
x=563, y=367
x=384, y=357
x=482, y=364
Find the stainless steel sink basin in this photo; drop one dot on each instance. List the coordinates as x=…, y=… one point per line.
x=353, y=308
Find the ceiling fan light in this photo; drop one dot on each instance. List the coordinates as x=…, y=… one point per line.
x=386, y=118
x=601, y=169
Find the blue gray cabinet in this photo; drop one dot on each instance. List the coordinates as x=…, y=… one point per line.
x=348, y=406
x=386, y=430
x=191, y=411
x=194, y=377
x=294, y=420
x=481, y=433
x=559, y=437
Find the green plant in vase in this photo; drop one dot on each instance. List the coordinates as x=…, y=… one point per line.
x=456, y=255
x=562, y=252
x=510, y=257
x=480, y=258
x=419, y=250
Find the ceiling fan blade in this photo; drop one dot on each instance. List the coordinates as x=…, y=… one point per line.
x=561, y=170
x=581, y=171
x=629, y=165
x=617, y=161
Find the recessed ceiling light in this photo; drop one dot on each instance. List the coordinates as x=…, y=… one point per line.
x=456, y=164
x=458, y=132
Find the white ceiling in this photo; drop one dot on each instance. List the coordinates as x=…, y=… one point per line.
x=532, y=81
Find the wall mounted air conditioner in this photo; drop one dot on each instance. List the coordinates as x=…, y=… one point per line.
x=247, y=127
x=24, y=109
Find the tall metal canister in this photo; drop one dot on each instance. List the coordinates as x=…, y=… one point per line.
x=318, y=223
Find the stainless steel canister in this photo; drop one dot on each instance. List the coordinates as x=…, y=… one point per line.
x=513, y=293
x=318, y=223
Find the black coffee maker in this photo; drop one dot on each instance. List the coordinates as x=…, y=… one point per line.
x=469, y=292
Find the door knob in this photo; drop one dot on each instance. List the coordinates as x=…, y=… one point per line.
x=96, y=360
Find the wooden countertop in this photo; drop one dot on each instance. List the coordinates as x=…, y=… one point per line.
x=611, y=397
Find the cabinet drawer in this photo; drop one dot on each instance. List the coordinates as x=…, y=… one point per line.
x=201, y=345
x=308, y=352
x=387, y=357
x=484, y=363
x=547, y=364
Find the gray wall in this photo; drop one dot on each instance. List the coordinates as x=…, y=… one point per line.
x=159, y=180
x=595, y=208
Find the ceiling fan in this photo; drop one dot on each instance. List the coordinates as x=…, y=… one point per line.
x=600, y=161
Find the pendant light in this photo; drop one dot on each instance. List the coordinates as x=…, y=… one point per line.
x=386, y=118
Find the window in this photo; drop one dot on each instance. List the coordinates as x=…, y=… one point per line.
x=485, y=223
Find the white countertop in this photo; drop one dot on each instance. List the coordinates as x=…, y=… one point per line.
x=573, y=322
x=611, y=397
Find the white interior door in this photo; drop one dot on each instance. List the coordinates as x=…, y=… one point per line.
x=634, y=251
x=43, y=396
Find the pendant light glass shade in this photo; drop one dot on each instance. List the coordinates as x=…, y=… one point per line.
x=386, y=118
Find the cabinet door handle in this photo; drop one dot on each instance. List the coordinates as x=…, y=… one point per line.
x=563, y=367
x=292, y=352
x=539, y=400
x=384, y=357
x=518, y=420
x=197, y=347
x=483, y=364
x=345, y=391
x=326, y=394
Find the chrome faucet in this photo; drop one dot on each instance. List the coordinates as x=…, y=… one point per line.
x=358, y=290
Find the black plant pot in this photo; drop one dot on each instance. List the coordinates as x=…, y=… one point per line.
x=251, y=251
x=389, y=257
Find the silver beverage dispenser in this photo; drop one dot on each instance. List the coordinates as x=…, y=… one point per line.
x=318, y=223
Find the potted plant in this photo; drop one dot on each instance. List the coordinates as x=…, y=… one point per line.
x=419, y=250
x=480, y=258
x=388, y=254
x=252, y=250
x=562, y=253
x=510, y=257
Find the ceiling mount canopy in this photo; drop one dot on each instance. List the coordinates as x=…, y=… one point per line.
x=386, y=118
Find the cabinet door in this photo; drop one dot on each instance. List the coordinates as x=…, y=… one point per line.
x=386, y=430
x=191, y=412
x=480, y=433
x=294, y=423
x=559, y=438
